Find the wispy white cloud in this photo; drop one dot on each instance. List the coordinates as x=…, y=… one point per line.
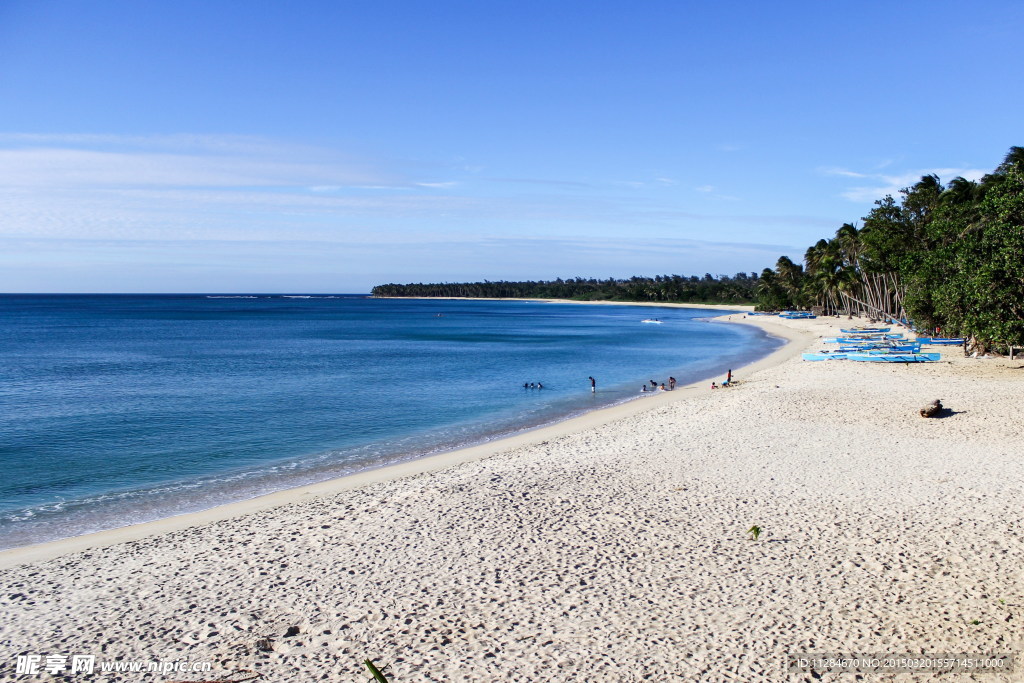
x=882, y=184
x=657, y=182
x=438, y=185
x=832, y=170
x=177, y=143
x=541, y=181
x=55, y=167
x=711, y=193
x=171, y=213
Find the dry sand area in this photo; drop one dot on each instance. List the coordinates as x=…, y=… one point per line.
x=612, y=550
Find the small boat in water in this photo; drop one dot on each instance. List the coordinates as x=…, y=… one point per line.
x=651, y=320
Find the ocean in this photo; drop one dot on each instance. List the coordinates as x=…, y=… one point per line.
x=118, y=409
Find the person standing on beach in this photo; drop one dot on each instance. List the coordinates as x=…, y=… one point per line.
x=728, y=377
x=671, y=383
x=593, y=385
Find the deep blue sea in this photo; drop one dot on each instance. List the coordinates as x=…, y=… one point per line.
x=122, y=409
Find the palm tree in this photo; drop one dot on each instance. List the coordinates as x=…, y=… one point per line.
x=1014, y=159
x=961, y=191
x=790, y=277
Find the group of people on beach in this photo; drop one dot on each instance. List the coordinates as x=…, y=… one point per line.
x=659, y=387
x=655, y=386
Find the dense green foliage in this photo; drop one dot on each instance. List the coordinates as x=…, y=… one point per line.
x=948, y=257
x=738, y=289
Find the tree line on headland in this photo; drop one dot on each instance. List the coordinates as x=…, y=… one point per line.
x=947, y=257
x=737, y=289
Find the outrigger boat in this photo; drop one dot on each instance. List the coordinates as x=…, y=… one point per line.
x=894, y=357
x=900, y=353
x=949, y=341
x=867, y=330
x=858, y=340
x=825, y=355
x=881, y=348
x=867, y=341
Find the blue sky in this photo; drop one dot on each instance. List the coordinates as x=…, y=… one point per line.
x=330, y=146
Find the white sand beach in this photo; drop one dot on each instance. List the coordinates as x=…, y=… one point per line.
x=612, y=547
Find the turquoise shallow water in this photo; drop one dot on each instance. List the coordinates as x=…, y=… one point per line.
x=121, y=409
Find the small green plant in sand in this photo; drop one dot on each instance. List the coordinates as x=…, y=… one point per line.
x=754, y=532
x=975, y=622
x=377, y=675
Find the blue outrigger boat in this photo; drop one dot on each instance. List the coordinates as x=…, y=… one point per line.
x=863, y=339
x=894, y=357
x=867, y=330
x=896, y=354
x=881, y=348
x=825, y=355
x=950, y=341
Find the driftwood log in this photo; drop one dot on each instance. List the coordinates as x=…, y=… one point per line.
x=932, y=409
